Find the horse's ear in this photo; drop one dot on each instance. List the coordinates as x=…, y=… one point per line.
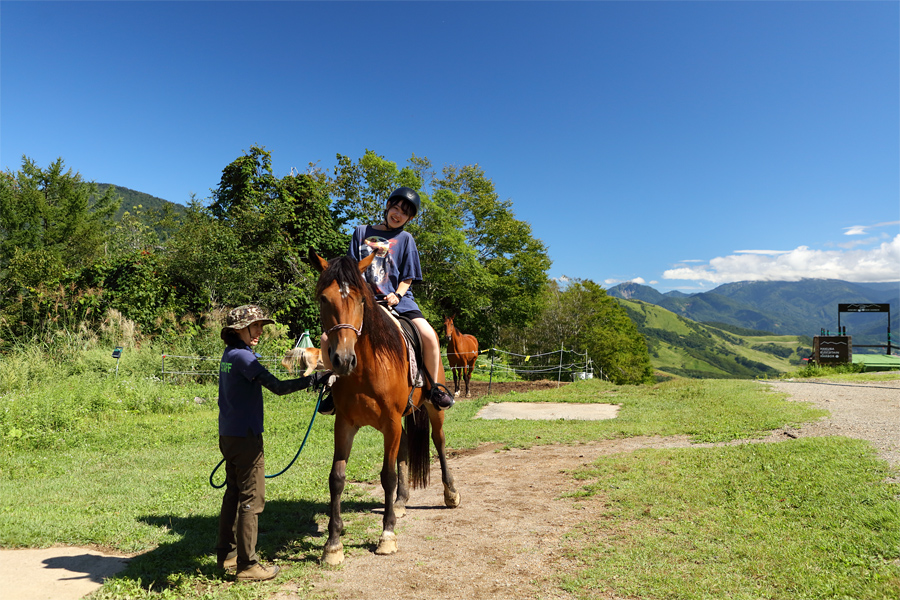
x=318, y=263
x=364, y=263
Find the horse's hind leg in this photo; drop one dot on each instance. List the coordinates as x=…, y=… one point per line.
x=451, y=496
x=402, y=477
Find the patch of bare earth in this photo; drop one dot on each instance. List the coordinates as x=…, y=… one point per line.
x=506, y=539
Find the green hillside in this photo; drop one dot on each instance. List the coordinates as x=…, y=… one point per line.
x=132, y=199
x=686, y=348
x=157, y=214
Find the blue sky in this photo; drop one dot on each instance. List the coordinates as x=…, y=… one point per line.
x=678, y=144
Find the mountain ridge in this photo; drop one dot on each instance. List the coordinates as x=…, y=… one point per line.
x=804, y=307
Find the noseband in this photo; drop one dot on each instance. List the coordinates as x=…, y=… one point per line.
x=345, y=326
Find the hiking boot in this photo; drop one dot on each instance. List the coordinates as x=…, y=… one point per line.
x=257, y=572
x=440, y=397
x=326, y=406
x=229, y=564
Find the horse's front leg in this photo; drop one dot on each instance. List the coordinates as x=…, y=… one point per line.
x=457, y=380
x=388, y=542
x=451, y=496
x=343, y=442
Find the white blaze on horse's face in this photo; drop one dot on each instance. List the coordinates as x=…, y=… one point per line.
x=342, y=313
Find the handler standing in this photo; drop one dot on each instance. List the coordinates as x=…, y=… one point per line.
x=241, y=377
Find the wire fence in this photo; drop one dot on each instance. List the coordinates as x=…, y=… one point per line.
x=562, y=364
x=177, y=368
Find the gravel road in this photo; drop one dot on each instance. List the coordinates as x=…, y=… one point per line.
x=868, y=411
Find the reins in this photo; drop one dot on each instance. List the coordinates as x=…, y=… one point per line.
x=308, y=429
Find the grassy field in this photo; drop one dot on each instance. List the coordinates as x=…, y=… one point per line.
x=123, y=463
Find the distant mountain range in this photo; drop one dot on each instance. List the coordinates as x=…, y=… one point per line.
x=782, y=307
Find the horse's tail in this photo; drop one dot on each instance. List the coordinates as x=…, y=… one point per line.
x=418, y=435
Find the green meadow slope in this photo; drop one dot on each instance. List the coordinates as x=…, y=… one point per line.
x=682, y=347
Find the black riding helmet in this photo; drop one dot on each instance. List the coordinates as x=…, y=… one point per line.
x=400, y=195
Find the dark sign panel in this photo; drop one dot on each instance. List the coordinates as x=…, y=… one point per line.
x=862, y=307
x=832, y=349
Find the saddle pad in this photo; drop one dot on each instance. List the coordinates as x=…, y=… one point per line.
x=411, y=339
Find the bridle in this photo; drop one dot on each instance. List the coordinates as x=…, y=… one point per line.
x=345, y=326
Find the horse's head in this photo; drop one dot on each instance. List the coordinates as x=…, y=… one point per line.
x=448, y=326
x=343, y=297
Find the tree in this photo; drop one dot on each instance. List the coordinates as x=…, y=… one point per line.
x=479, y=262
x=54, y=214
x=360, y=190
x=250, y=244
x=514, y=261
x=53, y=226
x=581, y=317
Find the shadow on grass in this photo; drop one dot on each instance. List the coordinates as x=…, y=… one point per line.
x=288, y=531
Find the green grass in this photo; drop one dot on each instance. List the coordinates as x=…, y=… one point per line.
x=123, y=463
x=808, y=518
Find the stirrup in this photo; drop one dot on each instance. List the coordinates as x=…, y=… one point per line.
x=444, y=398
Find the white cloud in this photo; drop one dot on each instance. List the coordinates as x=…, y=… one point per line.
x=639, y=280
x=864, y=229
x=875, y=264
x=854, y=243
x=857, y=230
x=763, y=252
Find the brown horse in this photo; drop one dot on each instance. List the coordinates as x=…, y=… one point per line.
x=462, y=352
x=369, y=357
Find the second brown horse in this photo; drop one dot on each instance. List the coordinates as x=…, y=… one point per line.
x=462, y=352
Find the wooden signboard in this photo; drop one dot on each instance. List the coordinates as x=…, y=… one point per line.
x=833, y=349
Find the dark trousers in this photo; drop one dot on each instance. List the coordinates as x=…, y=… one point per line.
x=244, y=500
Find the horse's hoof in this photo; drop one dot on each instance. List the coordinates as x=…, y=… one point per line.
x=468, y=395
x=333, y=556
x=451, y=497
x=387, y=544
x=456, y=394
x=399, y=510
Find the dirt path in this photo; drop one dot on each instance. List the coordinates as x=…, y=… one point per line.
x=505, y=539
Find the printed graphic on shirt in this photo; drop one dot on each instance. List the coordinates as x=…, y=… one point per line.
x=378, y=272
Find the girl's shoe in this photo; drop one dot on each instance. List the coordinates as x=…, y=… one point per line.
x=440, y=397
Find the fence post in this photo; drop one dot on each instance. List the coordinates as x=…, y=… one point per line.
x=559, y=373
x=164, y=368
x=491, y=376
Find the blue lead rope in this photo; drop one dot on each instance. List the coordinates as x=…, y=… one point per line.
x=308, y=429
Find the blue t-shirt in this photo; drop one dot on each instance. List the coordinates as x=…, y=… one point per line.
x=396, y=259
x=240, y=398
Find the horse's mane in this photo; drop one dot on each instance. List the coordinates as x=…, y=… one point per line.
x=377, y=326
